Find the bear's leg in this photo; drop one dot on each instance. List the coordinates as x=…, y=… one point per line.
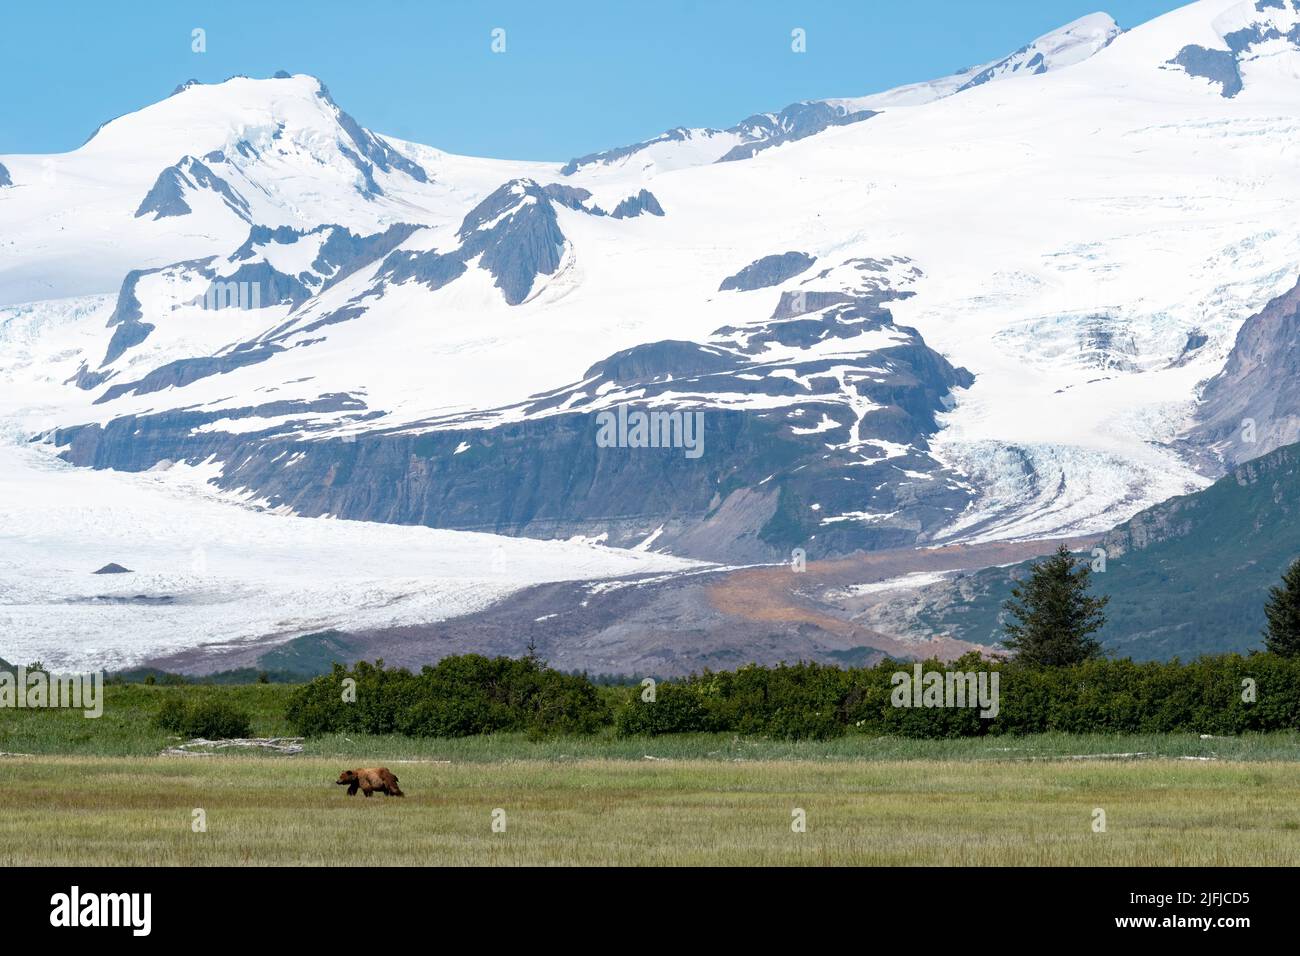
x=352, y=790
x=368, y=791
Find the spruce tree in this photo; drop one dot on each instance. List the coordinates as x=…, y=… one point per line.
x=1053, y=617
x=1282, y=636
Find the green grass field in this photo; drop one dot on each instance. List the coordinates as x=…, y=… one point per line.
x=126, y=729
x=274, y=811
x=96, y=792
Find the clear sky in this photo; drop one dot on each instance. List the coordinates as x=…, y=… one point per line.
x=574, y=77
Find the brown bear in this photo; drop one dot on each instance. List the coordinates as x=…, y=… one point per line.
x=370, y=780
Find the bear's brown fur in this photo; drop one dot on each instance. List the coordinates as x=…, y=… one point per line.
x=369, y=780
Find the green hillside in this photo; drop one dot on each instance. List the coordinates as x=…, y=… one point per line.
x=1187, y=577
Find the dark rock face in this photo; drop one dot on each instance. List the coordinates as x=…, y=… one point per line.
x=256, y=285
x=185, y=371
x=1217, y=66
x=758, y=132
x=799, y=302
x=114, y=568
x=1033, y=66
x=167, y=197
x=606, y=156
x=128, y=318
x=341, y=254
x=573, y=197
x=138, y=443
x=253, y=284
x=768, y=271
x=377, y=150
x=576, y=198
x=1224, y=66
x=127, y=336
x=549, y=478
x=517, y=234
x=86, y=379
x=1196, y=340
x=1253, y=405
x=793, y=123
x=633, y=206
x=514, y=230
x=433, y=269
x=799, y=450
x=522, y=245
x=660, y=362
x=368, y=188
x=1026, y=61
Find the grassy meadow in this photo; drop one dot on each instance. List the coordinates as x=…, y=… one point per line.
x=280, y=811
x=97, y=792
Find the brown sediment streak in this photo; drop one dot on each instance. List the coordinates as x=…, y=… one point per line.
x=779, y=595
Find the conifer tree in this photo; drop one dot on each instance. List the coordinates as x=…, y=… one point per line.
x=1282, y=636
x=1053, y=617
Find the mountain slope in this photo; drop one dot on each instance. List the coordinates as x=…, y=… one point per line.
x=1253, y=405
x=1186, y=577
x=681, y=147
x=1071, y=44
x=983, y=316
x=184, y=177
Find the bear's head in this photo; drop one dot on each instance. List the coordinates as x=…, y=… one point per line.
x=347, y=777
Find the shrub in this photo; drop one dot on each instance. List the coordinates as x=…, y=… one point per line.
x=676, y=709
x=472, y=694
x=171, y=716
x=460, y=696
x=211, y=719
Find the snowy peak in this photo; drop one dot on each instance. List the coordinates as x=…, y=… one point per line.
x=680, y=147
x=184, y=178
x=765, y=130
x=1071, y=44
x=675, y=148
x=1085, y=243
x=373, y=148
x=261, y=135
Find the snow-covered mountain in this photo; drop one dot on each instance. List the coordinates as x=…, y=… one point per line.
x=977, y=308
x=679, y=147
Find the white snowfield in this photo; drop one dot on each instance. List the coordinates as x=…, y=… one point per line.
x=209, y=571
x=1075, y=231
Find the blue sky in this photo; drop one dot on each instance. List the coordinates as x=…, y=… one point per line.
x=575, y=77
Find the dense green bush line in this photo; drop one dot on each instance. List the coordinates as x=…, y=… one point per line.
x=468, y=695
x=460, y=696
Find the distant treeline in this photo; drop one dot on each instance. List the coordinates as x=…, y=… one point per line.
x=471, y=694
